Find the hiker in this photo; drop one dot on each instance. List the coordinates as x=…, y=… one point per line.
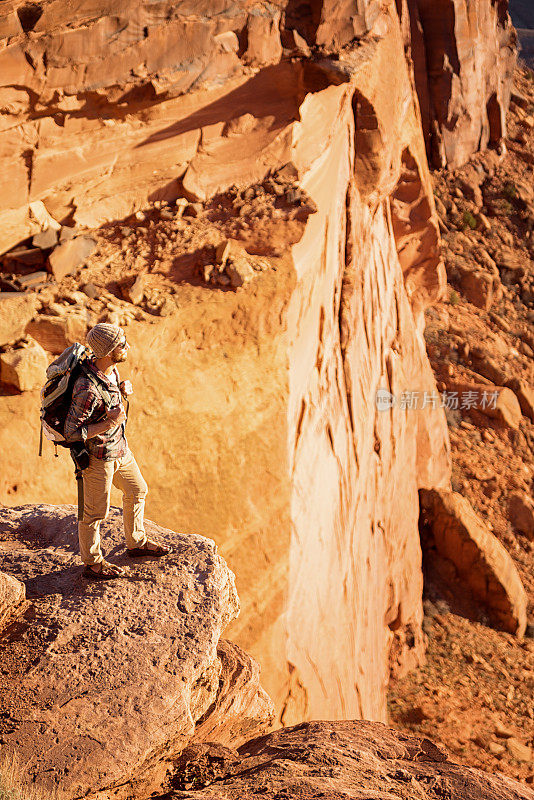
x=101, y=429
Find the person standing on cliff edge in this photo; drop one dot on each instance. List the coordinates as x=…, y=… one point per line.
x=101, y=428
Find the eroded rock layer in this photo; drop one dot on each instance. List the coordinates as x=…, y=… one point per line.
x=117, y=104
x=255, y=418
x=352, y=760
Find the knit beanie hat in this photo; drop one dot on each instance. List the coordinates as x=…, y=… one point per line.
x=103, y=338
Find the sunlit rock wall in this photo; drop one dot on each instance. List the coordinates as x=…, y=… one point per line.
x=254, y=417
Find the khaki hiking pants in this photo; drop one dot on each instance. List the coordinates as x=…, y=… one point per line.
x=97, y=479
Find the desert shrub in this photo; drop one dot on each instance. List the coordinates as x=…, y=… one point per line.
x=469, y=220
x=510, y=191
x=507, y=208
x=453, y=297
x=14, y=786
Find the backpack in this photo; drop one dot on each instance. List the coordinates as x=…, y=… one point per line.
x=56, y=394
x=56, y=399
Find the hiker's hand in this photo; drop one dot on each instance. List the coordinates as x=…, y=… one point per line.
x=126, y=388
x=116, y=416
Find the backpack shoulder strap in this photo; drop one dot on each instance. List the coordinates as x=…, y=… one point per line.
x=99, y=386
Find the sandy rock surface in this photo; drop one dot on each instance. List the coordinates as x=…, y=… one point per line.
x=335, y=760
x=102, y=683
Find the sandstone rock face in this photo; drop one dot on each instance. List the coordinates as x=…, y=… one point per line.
x=116, y=676
x=125, y=103
x=12, y=594
x=461, y=536
x=254, y=416
x=16, y=310
x=352, y=760
x=25, y=367
x=463, y=57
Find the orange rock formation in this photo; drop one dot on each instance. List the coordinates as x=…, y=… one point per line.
x=255, y=418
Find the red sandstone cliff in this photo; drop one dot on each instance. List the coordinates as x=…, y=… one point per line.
x=254, y=418
x=463, y=56
x=114, y=104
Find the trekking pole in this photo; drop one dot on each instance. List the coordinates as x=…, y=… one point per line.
x=79, y=482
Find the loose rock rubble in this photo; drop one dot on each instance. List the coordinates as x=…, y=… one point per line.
x=476, y=691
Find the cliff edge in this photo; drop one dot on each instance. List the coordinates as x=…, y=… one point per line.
x=103, y=685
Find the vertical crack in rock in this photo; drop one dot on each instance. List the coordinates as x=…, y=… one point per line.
x=295, y=703
x=416, y=235
x=28, y=156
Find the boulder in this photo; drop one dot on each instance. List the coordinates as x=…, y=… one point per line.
x=496, y=402
x=134, y=292
x=41, y=218
x=12, y=595
x=70, y=255
x=331, y=760
x=121, y=672
x=55, y=333
x=506, y=410
x=487, y=366
x=518, y=750
x=240, y=702
x=521, y=513
x=525, y=395
x=46, y=239
x=16, y=310
x=470, y=183
x=480, y=288
x=25, y=367
x=480, y=559
x=236, y=262
x=263, y=37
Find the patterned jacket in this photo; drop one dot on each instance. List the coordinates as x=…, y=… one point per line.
x=88, y=407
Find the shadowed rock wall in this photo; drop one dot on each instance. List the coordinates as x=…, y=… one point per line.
x=463, y=55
